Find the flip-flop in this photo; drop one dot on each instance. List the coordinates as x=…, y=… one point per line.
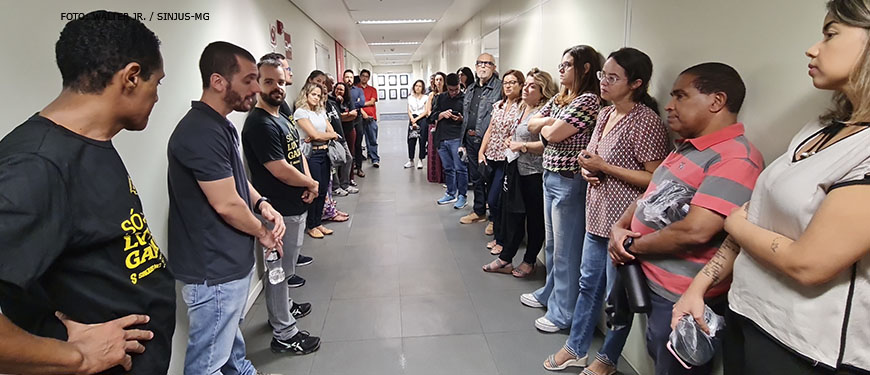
x=325, y=230
x=496, y=250
x=490, y=245
x=507, y=268
x=520, y=274
x=551, y=365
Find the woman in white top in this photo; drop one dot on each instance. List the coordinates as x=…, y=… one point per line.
x=418, y=126
x=800, y=295
x=316, y=132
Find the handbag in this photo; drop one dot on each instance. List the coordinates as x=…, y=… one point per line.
x=337, y=153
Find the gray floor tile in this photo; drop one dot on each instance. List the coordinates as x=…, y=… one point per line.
x=455, y=355
x=438, y=315
x=428, y=280
x=374, y=357
x=524, y=352
x=362, y=319
x=257, y=321
x=501, y=311
x=364, y=282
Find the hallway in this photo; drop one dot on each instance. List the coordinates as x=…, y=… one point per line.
x=398, y=289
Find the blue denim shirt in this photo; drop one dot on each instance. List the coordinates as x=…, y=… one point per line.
x=357, y=97
x=491, y=93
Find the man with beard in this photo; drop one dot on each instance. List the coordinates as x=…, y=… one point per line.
x=211, y=223
x=279, y=170
x=357, y=101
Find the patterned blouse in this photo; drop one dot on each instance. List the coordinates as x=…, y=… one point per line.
x=580, y=113
x=504, y=120
x=637, y=138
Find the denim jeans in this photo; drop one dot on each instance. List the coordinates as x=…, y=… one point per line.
x=587, y=311
x=371, y=128
x=278, y=301
x=319, y=165
x=495, y=186
x=472, y=148
x=215, y=344
x=564, y=224
x=455, y=174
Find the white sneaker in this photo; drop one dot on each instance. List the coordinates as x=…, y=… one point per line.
x=352, y=190
x=528, y=299
x=339, y=192
x=544, y=324
x=419, y=164
x=409, y=164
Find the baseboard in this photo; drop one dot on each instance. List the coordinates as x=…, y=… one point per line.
x=252, y=296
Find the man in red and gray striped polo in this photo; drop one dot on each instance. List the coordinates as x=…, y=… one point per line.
x=677, y=225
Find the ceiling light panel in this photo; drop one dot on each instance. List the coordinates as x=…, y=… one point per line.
x=394, y=22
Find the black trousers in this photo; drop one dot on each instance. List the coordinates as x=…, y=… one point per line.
x=750, y=351
x=422, y=140
x=515, y=226
x=357, y=143
x=475, y=175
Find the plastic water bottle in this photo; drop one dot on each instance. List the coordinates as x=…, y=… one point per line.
x=274, y=267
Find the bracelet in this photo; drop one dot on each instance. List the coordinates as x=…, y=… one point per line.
x=257, y=205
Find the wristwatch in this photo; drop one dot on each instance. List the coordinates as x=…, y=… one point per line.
x=259, y=201
x=627, y=243
x=524, y=149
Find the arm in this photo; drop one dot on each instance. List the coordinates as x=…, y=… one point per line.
x=284, y=172
x=557, y=130
x=618, y=233
x=90, y=348
x=314, y=190
x=309, y=129
x=536, y=148
x=594, y=164
x=538, y=122
x=698, y=228
x=487, y=135
x=717, y=269
x=224, y=199
x=350, y=115
x=838, y=226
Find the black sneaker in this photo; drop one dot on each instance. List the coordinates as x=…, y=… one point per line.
x=303, y=260
x=376, y=164
x=302, y=343
x=300, y=310
x=295, y=281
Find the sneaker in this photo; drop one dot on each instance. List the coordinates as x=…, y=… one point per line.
x=303, y=260
x=295, y=281
x=545, y=325
x=444, y=186
x=352, y=182
x=352, y=190
x=528, y=299
x=376, y=164
x=473, y=217
x=302, y=343
x=446, y=199
x=408, y=165
x=419, y=164
x=489, y=230
x=461, y=202
x=300, y=310
x=339, y=192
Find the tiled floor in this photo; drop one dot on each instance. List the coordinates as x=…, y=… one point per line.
x=398, y=289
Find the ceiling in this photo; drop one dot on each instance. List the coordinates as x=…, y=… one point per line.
x=339, y=19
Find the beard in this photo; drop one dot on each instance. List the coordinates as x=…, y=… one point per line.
x=274, y=98
x=237, y=102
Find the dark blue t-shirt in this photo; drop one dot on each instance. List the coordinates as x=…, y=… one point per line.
x=203, y=248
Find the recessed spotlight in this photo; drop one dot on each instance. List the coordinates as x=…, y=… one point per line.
x=393, y=22
x=394, y=54
x=394, y=43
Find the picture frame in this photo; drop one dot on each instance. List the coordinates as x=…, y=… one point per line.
x=403, y=93
x=381, y=80
x=394, y=81
x=394, y=94
x=382, y=94
x=403, y=80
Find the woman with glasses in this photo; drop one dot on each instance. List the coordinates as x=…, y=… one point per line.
x=566, y=124
x=629, y=143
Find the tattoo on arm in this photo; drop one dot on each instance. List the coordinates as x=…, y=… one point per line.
x=714, y=267
x=774, y=245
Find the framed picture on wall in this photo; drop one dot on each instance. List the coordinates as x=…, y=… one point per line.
x=382, y=94
x=403, y=80
x=381, y=81
x=394, y=94
x=403, y=93
x=393, y=80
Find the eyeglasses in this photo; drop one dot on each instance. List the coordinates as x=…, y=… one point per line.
x=608, y=79
x=564, y=66
x=511, y=83
x=484, y=63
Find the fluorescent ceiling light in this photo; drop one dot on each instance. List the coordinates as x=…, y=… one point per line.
x=393, y=54
x=393, y=22
x=394, y=43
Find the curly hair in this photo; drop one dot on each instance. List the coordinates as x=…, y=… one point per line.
x=91, y=49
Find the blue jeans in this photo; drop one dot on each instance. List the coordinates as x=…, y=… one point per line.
x=495, y=186
x=371, y=128
x=215, y=344
x=319, y=164
x=593, y=269
x=564, y=224
x=455, y=174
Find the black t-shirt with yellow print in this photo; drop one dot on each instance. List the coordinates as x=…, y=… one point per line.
x=74, y=238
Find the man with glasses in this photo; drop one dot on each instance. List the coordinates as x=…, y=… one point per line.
x=371, y=123
x=477, y=108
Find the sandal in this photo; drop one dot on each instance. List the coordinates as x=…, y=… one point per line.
x=314, y=233
x=551, y=365
x=338, y=218
x=610, y=369
x=496, y=250
x=325, y=230
x=498, y=266
x=360, y=173
x=520, y=274
x=490, y=245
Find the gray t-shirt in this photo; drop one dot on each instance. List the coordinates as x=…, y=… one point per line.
x=203, y=248
x=528, y=163
x=318, y=120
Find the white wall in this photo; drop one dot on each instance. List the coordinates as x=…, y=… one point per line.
x=32, y=79
x=764, y=40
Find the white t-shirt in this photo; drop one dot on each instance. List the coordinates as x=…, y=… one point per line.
x=417, y=106
x=318, y=119
x=809, y=320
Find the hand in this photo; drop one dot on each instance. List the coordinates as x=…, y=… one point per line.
x=457, y=117
x=738, y=214
x=365, y=115
x=415, y=126
x=352, y=114
x=107, y=345
x=314, y=188
x=690, y=304
x=481, y=159
x=307, y=140
x=444, y=115
x=515, y=146
x=614, y=246
x=591, y=178
x=591, y=162
x=308, y=197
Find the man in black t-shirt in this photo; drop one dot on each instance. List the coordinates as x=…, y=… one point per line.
x=279, y=170
x=73, y=235
x=448, y=140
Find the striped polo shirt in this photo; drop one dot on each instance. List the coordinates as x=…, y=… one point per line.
x=716, y=172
